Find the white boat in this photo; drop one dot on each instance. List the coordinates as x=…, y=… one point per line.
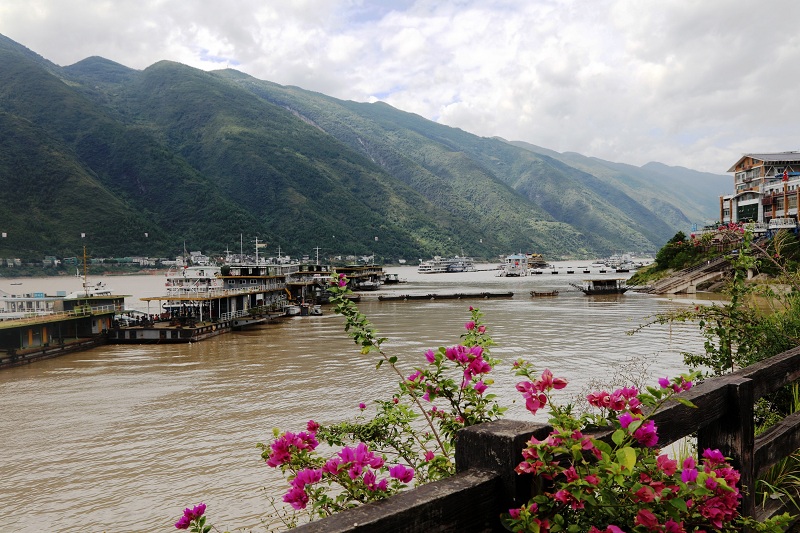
x=89, y=291
x=440, y=265
x=515, y=265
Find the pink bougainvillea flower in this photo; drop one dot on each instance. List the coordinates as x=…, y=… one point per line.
x=625, y=419
x=689, y=472
x=714, y=457
x=297, y=498
x=402, y=473
x=647, y=434
x=430, y=356
x=470, y=325
x=480, y=387
x=189, y=515
x=666, y=465
x=647, y=519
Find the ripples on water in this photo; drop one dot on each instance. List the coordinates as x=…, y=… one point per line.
x=122, y=438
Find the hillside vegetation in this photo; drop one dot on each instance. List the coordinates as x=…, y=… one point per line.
x=145, y=161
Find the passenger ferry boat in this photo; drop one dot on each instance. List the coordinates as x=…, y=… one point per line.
x=440, y=265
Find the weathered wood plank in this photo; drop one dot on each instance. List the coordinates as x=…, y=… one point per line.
x=776, y=443
x=771, y=374
x=467, y=502
x=675, y=421
x=733, y=434
x=498, y=446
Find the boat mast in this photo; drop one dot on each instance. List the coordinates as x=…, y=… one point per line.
x=85, y=288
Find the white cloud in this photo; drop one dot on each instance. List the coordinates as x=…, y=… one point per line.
x=681, y=82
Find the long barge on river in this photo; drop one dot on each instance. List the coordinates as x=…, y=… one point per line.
x=454, y=296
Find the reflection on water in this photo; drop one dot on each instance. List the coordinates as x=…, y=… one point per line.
x=122, y=438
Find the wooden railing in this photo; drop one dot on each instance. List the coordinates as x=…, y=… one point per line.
x=486, y=485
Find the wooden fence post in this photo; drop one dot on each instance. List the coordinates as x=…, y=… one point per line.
x=497, y=446
x=733, y=434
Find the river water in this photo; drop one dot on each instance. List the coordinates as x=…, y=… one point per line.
x=123, y=437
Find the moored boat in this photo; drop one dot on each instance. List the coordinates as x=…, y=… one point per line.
x=544, y=293
x=441, y=265
x=602, y=286
x=515, y=265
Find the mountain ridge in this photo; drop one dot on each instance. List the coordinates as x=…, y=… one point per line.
x=179, y=154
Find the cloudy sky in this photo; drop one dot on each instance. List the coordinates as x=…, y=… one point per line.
x=692, y=83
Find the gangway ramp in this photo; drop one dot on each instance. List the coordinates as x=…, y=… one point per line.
x=686, y=281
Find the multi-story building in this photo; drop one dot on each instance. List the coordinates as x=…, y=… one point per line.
x=766, y=191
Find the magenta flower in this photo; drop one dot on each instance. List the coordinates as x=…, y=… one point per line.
x=713, y=457
x=480, y=387
x=646, y=434
x=625, y=419
x=664, y=383
x=481, y=329
x=470, y=325
x=689, y=472
x=666, y=465
x=647, y=519
x=190, y=515
x=402, y=473
x=362, y=406
x=430, y=356
x=296, y=497
x=307, y=476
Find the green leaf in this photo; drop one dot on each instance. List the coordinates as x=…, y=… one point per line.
x=684, y=401
x=679, y=504
x=618, y=437
x=627, y=457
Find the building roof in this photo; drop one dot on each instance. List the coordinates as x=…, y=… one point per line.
x=774, y=157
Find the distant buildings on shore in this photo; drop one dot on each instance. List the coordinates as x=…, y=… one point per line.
x=766, y=192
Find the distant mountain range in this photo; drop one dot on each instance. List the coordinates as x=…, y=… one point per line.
x=142, y=162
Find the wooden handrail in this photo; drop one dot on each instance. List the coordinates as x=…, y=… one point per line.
x=486, y=454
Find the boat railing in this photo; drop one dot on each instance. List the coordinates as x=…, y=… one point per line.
x=220, y=293
x=79, y=311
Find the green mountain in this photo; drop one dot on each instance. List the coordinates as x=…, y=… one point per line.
x=143, y=161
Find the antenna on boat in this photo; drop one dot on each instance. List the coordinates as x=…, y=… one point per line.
x=85, y=288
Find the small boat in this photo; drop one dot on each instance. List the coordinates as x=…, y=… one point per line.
x=544, y=293
x=368, y=285
x=393, y=279
x=602, y=286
